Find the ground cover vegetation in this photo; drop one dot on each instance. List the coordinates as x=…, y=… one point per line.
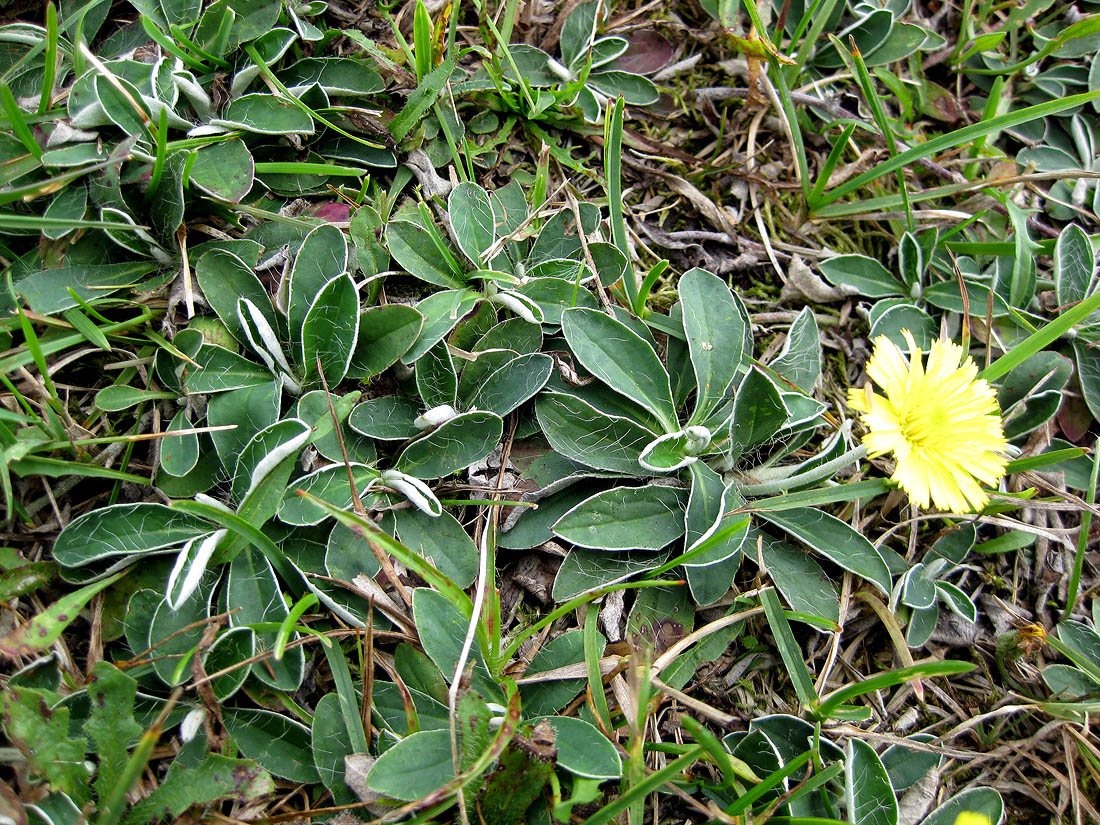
x=651, y=412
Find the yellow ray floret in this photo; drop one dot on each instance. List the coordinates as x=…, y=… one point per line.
x=971, y=818
x=940, y=421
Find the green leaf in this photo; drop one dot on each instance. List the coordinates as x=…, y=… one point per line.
x=419, y=253
x=280, y=744
x=345, y=557
x=586, y=570
x=402, y=553
x=441, y=312
x=385, y=334
x=225, y=279
x=255, y=20
x=118, y=397
x=388, y=418
x=902, y=316
x=124, y=107
x=919, y=587
x=218, y=777
x=706, y=503
x=911, y=260
x=322, y=256
x=922, y=624
x=265, y=114
x=510, y=385
x=415, y=767
x=800, y=359
x=124, y=530
x=706, y=519
x=220, y=370
x=442, y=628
x=471, y=216
x=42, y=736
x=181, y=11
x=46, y=291
x=582, y=749
x=626, y=518
x=980, y=800
x=789, y=650
x=549, y=697
x=453, y=446
x=254, y=592
x=758, y=413
x=68, y=206
x=166, y=204
x=418, y=103
x=436, y=380
x=1088, y=373
x=947, y=295
x=835, y=540
x=579, y=431
x=868, y=794
x=180, y=453
x=175, y=633
x=867, y=275
x=1068, y=682
x=249, y=410
x=905, y=765
x=330, y=484
x=225, y=170
x=45, y=627
x=266, y=455
x=442, y=541
x=111, y=724
x=668, y=452
x=1074, y=266
x=338, y=76
x=621, y=359
x=330, y=329
x=533, y=526
x=800, y=579
x=555, y=295
x=577, y=32
x=957, y=601
x=1081, y=646
x=634, y=88
x=26, y=578
x=714, y=323
x=331, y=743
x=232, y=647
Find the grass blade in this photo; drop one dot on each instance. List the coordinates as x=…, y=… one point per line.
x=1040, y=338
x=345, y=691
x=830, y=164
x=592, y=665
x=50, y=69
x=967, y=134
x=1083, y=535
x=889, y=679
x=870, y=94
x=613, y=172
x=646, y=786
x=18, y=121
x=789, y=650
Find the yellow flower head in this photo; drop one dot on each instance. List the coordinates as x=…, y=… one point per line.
x=940, y=421
x=971, y=818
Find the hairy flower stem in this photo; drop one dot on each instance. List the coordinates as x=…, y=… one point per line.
x=819, y=473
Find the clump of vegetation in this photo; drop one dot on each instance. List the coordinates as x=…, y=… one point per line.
x=464, y=413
